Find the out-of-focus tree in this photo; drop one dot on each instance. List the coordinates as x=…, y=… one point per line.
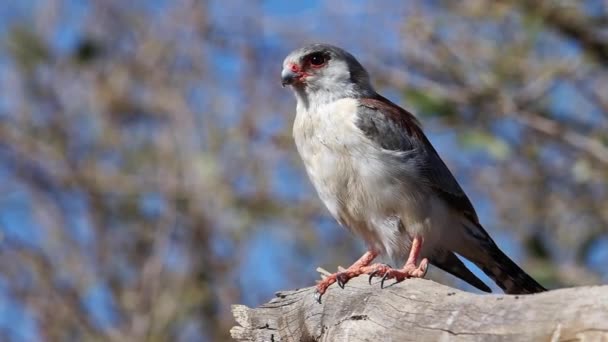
x=149, y=179
x=528, y=83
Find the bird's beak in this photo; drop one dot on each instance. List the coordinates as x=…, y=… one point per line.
x=287, y=77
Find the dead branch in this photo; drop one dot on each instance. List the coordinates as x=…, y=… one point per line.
x=422, y=310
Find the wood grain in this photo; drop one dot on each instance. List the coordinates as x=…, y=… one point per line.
x=422, y=310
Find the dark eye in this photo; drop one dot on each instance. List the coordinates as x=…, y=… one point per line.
x=317, y=59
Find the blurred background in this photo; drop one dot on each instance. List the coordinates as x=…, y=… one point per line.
x=148, y=178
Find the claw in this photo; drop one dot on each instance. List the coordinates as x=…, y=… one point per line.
x=340, y=279
x=371, y=276
x=384, y=278
x=318, y=296
x=376, y=273
x=425, y=265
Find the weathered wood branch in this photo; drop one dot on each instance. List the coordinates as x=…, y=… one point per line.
x=422, y=310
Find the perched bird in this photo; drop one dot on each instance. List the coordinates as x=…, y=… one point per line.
x=380, y=177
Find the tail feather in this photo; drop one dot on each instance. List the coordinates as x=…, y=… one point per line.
x=450, y=263
x=483, y=252
x=507, y=275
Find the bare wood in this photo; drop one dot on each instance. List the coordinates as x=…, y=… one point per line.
x=422, y=310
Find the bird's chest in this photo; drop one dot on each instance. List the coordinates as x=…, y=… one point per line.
x=343, y=165
x=326, y=139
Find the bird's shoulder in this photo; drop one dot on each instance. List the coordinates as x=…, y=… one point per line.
x=389, y=125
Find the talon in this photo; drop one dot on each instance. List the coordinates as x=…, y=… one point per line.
x=341, y=279
x=384, y=278
x=318, y=296
x=425, y=266
x=340, y=282
x=371, y=276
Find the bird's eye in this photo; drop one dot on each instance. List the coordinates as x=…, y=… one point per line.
x=317, y=59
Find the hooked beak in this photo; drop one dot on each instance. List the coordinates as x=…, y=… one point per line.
x=288, y=77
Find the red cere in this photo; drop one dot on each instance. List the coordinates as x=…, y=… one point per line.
x=294, y=67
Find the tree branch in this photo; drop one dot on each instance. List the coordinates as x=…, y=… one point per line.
x=422, y=310
x=573, y=25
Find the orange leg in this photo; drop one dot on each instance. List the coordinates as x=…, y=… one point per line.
x=359, y=267
x=411, y=269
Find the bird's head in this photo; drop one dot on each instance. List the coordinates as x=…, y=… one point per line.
x=319, y=69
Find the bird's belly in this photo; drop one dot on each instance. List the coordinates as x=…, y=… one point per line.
x=374, y=199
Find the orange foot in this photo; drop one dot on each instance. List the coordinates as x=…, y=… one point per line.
x=410, y=270
x=339, y=277
x=356, y=269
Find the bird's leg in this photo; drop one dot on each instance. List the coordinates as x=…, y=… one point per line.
x=411, y=269
x=357, y=268
x=411, y=265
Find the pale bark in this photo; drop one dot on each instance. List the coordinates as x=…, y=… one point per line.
x=422, y=310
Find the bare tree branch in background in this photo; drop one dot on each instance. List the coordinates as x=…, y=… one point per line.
x=150, y=180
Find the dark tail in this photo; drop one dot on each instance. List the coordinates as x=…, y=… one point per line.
x=483, y=252
x=507, y=275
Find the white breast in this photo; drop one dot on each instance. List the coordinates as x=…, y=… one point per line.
x=326, y=139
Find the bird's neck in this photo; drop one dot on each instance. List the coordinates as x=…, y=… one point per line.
x=310, y=98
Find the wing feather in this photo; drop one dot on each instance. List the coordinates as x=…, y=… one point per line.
x=396, y=129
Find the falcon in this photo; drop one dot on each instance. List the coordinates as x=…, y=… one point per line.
x=380, y=177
